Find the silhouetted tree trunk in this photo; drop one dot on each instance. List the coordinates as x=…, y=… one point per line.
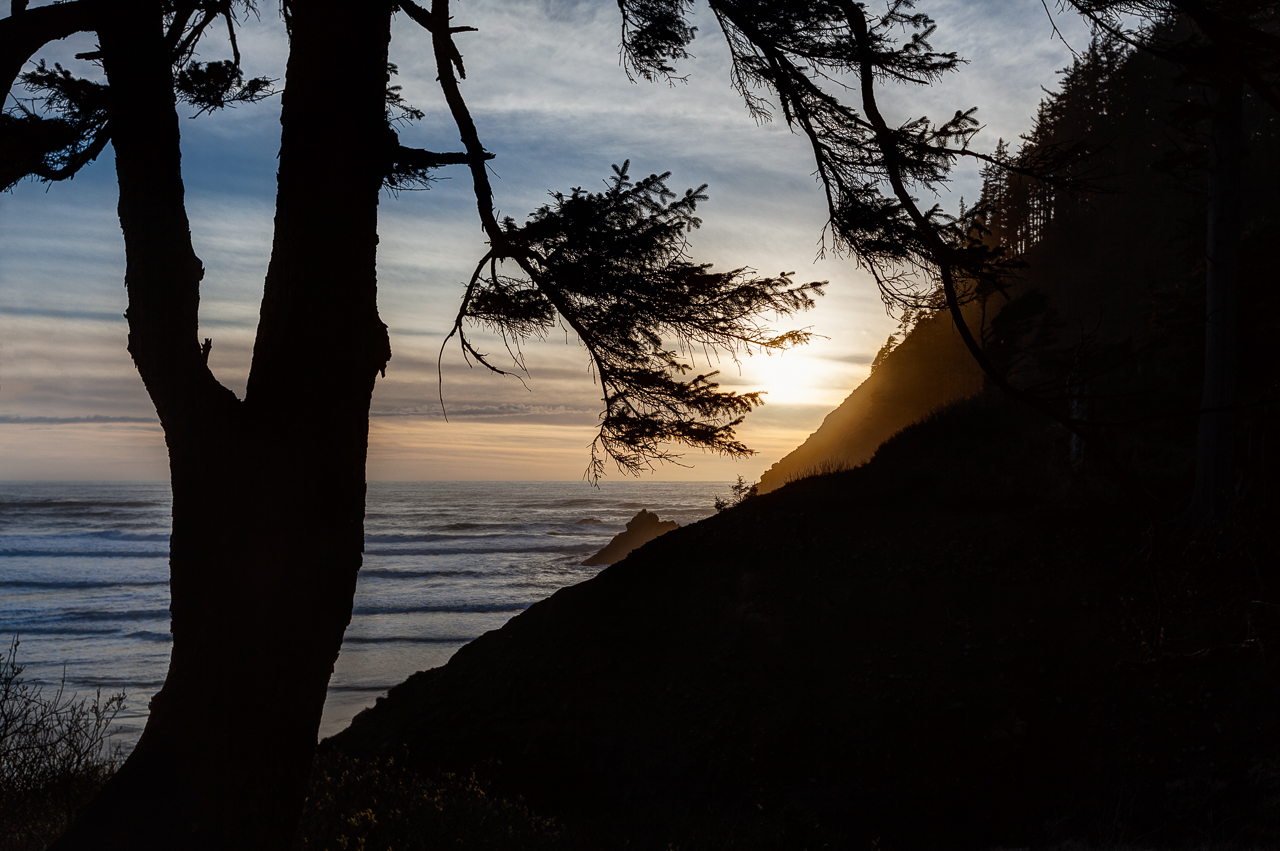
x=1215, y=445
x=268, y=493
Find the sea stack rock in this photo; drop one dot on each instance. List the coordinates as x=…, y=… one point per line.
x=641, y=529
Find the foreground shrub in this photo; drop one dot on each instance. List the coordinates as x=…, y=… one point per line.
x=741, y=492
x=54, y=755
x=358, y=804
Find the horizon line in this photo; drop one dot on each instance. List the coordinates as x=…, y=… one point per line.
x=372, y=481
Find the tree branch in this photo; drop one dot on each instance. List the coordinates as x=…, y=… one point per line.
x=77, y=161
x=416, y=158
x=163, y=273
x=447, y=58
x=27, y=30
x=436, y=22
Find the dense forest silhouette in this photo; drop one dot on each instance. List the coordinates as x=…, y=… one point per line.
x=1104, y=311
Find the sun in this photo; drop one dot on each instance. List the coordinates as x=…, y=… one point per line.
x=794, y=378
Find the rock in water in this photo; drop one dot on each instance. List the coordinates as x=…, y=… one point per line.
x=641, y=529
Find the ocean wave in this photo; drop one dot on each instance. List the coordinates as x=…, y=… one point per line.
x=463, y=608
x=508, y=531
x=390, y=573
x=555, y=581
x=148, y=635
x=36, y=629
x=87, y=554
x=113, y=683
x=100, y=615
x=598, y=502
x=408, y=639
x=116, y=535
x=578, y=502
x=62, y=504
x=401, y=538
x=77, y=583
x=467, y=551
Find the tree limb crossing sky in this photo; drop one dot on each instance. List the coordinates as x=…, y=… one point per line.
x=551, y=101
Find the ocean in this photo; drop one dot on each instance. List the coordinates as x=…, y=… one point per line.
x=84, y=575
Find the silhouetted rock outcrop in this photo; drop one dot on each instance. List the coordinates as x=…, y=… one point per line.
x=641, y=529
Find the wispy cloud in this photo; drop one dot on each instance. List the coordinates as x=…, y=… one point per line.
x=100, y=316
x=505, y=410
x=550, y=100
x=55, y=313
x=10, y=420
x=859, y=359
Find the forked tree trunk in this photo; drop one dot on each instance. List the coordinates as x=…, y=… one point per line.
x=1216, y=439
x=268, y=493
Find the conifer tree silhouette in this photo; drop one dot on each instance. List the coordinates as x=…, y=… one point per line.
x=268, y=491
x=1226, y=46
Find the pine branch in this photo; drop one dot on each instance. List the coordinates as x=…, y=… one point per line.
x=57, y=145
x=613, y=267
x=27, y=30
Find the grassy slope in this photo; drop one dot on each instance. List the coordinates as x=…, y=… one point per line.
x=951, y=645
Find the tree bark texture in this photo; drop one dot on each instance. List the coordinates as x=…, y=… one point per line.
x=268, y=492
x=1216, y=473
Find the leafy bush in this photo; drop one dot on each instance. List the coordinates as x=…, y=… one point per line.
x=379, y=804
x=54, y=755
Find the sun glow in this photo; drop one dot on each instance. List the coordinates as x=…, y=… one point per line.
x=795, y=378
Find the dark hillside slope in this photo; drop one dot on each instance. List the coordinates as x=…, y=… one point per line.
x=977, y=638
x=930, y=369
x=951, y=646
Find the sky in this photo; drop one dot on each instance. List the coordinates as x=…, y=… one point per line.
x=547, y=93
